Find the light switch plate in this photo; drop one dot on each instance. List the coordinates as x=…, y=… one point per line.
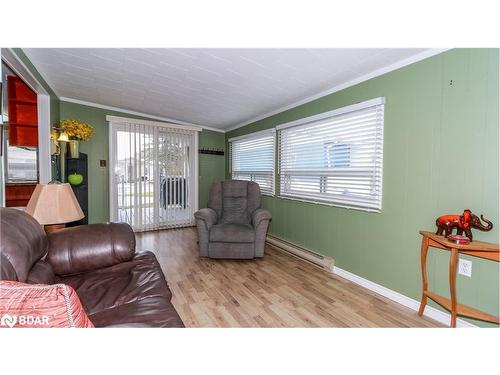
x=465, y=267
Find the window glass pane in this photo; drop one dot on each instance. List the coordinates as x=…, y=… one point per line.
x=22, y=164
x=252, y=159
x=335, y=158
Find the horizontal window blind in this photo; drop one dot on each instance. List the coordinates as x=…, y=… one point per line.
x=252, y=159
x=336, y=158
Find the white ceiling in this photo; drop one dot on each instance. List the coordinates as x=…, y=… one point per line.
x=219, y=88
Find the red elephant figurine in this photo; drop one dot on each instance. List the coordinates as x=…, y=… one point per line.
x=463, y=223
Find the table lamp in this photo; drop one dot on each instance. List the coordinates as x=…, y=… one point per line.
x=53, y=205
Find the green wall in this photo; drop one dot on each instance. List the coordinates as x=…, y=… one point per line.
x=440, y=156
x=211, y=167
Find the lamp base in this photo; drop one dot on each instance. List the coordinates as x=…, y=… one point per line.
x=53, y=228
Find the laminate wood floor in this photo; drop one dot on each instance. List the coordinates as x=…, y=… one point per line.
x=278, y=290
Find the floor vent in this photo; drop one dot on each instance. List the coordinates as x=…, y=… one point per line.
x=319, y=260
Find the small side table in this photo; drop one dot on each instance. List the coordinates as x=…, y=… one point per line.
x=478, y=249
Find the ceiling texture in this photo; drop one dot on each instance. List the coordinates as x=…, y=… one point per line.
x=217, y=88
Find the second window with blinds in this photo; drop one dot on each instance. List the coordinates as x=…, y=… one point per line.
x=252, y=159
x=335, y=157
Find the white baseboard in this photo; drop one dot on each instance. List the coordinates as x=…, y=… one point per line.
x=431, y=312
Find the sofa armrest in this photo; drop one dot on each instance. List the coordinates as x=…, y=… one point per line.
x=208, y=215
x=260, y=214
x=88, y=247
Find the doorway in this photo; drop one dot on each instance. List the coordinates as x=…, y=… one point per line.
x=153, y=182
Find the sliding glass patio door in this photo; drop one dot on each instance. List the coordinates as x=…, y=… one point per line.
x=153, y=171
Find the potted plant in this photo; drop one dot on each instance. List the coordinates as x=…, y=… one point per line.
x=77, y=131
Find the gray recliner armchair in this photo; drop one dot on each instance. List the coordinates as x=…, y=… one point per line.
x=234, y=225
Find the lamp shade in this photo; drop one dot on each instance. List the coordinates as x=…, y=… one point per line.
x=63, y=137
x=54, y=203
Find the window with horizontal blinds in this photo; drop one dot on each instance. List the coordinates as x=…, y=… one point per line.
x=252, y=159
x=335, y=157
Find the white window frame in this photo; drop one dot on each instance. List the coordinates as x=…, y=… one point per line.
x=304, y=121
x=256, y=135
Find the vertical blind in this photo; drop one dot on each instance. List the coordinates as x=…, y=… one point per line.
x=335, y=157
x=152, y=177
x=252, y=159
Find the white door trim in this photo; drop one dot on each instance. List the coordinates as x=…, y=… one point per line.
x=111, y=182
x=196, y=178
x=44, y=156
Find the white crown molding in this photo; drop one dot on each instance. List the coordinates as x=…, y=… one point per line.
x=410, y=60
x=123, y=110
x=429, y=311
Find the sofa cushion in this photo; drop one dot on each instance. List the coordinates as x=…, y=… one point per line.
x=41, y=273
x=235, y=202
x=136, y=288
x=88, y=247
x=23, y=243
x=231, y=250
x=40, y=306
x=122, y=283
x=232, y=233
x=142, y=313
x=235, y=210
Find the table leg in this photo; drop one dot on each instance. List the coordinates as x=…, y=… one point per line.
x=423, y=264
x=453, y=291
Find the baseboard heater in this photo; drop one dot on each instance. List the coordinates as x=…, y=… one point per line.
x=309, y=256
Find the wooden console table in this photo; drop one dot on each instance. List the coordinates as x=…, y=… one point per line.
x=478, y=249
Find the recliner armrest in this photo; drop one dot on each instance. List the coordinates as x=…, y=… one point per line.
x=208, y=215
x=88, y=247
x=260, y=214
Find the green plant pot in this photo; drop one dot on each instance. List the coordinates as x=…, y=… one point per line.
x=75, y=179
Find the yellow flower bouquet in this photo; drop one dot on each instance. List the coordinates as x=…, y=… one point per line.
x=76, y=129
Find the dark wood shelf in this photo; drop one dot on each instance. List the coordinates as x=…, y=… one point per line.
x=18, y=194
x=23, y=113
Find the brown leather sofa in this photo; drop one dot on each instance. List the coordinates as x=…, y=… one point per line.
x=117, y=286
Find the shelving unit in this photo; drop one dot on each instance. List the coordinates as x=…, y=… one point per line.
x=484, y=250
x=79, y=165
x=23, y=113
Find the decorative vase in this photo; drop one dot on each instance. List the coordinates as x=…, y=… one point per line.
x=74, y=151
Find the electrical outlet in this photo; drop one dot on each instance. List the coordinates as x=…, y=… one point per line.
x=465, y=267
